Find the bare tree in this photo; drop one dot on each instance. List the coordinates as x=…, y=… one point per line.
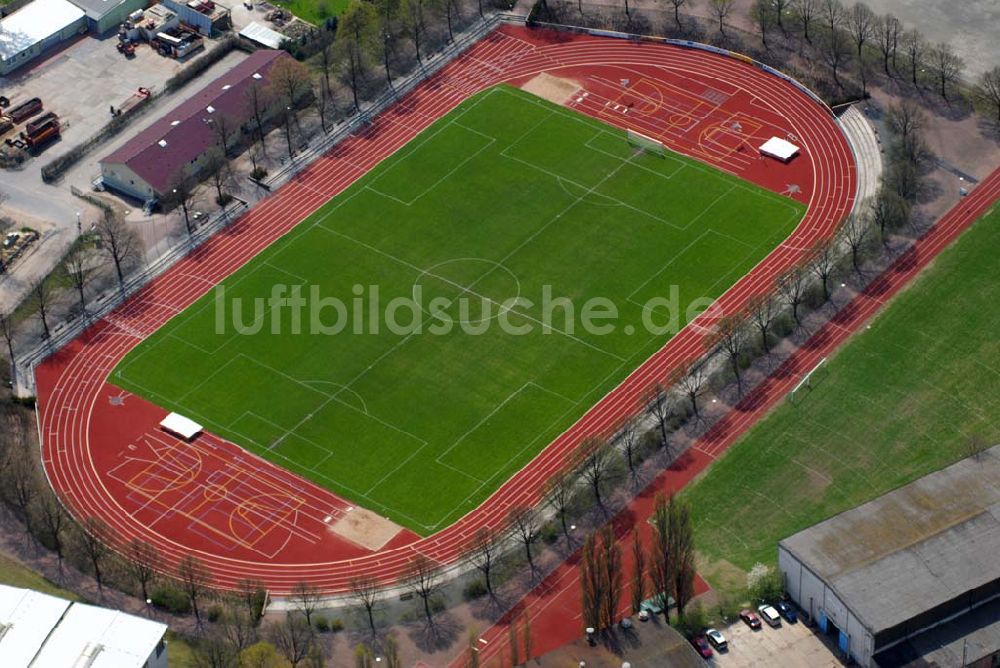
x=591, y=584
x=762, y=13
x=887, y=31
x=423, y=580
x=181, y=193
x=367, y=591
x=628, y=436
x=658, y=403
x=915, y=47
x=762, y=309
x=21, y=487
x=595, y=459
x=308, y=597
x=226, y=129
x=660, y=559
x=220, y=174
x=822, y=263
x=558, y=493
x=326, y=60
x=43, y=293
x=93, y=541
x=677, y=4
x=691, y=381
x=483, y=553
x=835, y=53
x=781, y=7
x=907, y=120
x=638, y=582
x=524, y=521
x=613, y=576
x=251, y=594
x=7, y=332
x=681, y=539
x=731, y=339
x=808, y=13
x=355, y=35
x=854, y=231
x=449, y=8
x=791, y=286
x=54, y=523
x=121, y=244
x=947, y=67
x=413, y=18
x=292, y=637
x=721, y=10
x=78, y=268
x=195, y=579
x=143, y=560
x=323, y=103
x=988, y=90
x=832, y=13
x=861, y=22
x=888, y=211
x=386, y=27
x=258, y=101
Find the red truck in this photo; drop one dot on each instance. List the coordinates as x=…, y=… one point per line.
x=43, y=133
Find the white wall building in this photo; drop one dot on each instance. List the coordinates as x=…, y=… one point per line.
x=42, y=631
x=35, y=28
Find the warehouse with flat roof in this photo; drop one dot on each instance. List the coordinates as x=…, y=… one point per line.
x=42, y=631
x=103, y=16
x=36, y=28
x=919, y=560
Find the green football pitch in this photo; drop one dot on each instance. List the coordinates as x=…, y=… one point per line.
x=506, y=197
x=902, y=399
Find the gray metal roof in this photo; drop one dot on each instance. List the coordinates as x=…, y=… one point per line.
x=98, y=9
x=914, y=548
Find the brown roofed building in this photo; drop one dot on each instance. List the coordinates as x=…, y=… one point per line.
x=174, y=147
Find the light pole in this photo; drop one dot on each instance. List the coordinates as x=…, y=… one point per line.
x=79, y=225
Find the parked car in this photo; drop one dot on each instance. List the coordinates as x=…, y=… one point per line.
x=717, y=640
x=769, y=615
x=786, y=610
x=750, y=619
x=701, y=645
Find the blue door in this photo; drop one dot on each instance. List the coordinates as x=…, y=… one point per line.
x=844, y=642
x=822, y=621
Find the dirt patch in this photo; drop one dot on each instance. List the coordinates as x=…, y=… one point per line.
x=551, y=88
x=721, y=574
x=365, y=528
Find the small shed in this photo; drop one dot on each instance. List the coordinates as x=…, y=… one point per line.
x=178, y=425
x=261, y=34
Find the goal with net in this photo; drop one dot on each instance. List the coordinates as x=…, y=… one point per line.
x=648, y=144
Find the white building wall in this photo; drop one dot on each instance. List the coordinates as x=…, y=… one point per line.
x=812, y=595
x=121, y=177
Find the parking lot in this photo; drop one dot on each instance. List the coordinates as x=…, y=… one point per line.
x=789, y=645
x=82, y=81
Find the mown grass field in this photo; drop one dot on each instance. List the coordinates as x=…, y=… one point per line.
x=502, y=197
x=899, y=401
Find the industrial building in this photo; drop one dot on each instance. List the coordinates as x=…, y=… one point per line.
x=174, y=147
x=909, y=573
x=43, y=631
x=103, y=16
x=36, y=28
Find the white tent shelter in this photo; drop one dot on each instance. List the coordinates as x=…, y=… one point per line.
x=261, y=34
x=779, y=149
x=178, y=425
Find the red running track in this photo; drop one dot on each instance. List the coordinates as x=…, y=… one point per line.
x=245, y=517
x=553, y=608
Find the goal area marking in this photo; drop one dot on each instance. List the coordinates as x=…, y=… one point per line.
x=645, y=143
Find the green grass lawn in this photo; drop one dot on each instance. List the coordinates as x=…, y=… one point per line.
x=503, y=196
x=899, y=401
x=16, y=574
x=313, y=11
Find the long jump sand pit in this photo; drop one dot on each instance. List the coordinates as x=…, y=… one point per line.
x=365, y=528
x=552, y=88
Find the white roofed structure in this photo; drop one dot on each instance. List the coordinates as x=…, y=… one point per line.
x=42, y=631
x=261, y=34
x=26, y=617
x=34, y=28
x=178, y=425
x=779, y=149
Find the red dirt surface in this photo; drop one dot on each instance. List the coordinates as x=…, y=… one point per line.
x=245, y=517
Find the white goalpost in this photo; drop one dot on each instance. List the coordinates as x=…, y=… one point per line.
x=806, y=381
x=648, y=144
